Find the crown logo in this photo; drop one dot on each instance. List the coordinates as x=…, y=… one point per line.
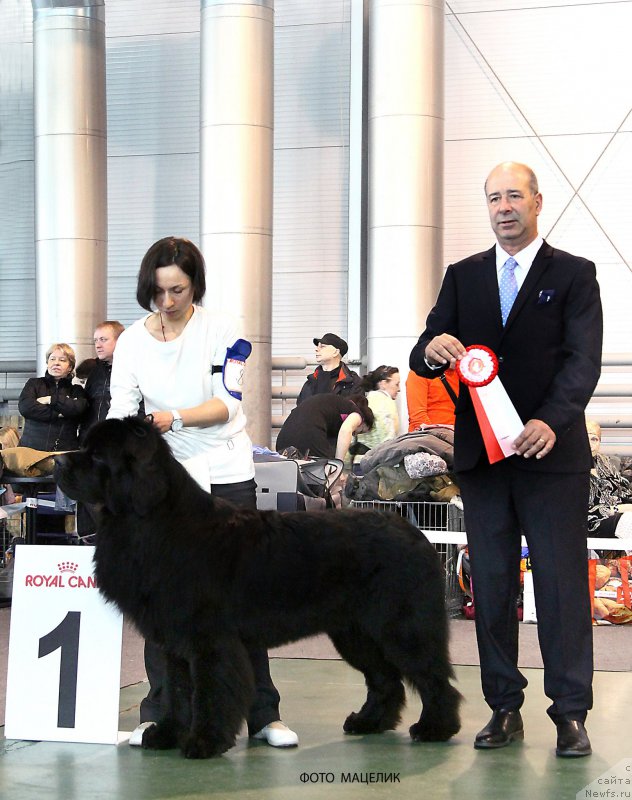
x=67, y=566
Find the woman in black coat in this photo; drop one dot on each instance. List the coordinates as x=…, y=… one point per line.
x=52, y=405
x=325, y=424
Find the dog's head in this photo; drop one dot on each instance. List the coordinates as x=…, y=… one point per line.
x=122, y=466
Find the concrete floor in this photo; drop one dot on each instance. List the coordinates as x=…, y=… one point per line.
x=317, y=695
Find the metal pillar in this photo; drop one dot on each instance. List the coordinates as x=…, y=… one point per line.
x=405, y=175
x=70, y=172
x=236, y=155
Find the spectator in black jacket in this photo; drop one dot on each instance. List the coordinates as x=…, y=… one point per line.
x=97, y=388
x=52, y=405
x=324, y=426
x=331, y=374
x=97, y=385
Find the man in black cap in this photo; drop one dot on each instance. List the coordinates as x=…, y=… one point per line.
x=331, y=374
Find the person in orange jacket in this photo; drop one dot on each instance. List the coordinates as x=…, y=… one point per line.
x=428, y=400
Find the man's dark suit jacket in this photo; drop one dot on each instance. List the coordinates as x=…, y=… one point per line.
x=549, y=352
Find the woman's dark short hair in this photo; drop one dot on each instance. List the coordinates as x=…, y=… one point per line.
x=165, y=253
x=371, y=379
x=364, y=410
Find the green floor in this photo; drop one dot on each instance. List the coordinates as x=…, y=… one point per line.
x=316, y=697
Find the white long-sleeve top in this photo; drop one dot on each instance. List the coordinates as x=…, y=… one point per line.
x=177, y=375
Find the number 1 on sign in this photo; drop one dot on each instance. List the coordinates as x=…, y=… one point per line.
x=66, y=637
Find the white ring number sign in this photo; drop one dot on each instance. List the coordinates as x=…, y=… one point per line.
x=64, y=649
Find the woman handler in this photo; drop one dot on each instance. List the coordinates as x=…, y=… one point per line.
x=175, y=359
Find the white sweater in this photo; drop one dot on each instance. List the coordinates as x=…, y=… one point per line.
x=177, y=375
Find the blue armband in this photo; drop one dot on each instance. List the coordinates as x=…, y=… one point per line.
x=234, y=364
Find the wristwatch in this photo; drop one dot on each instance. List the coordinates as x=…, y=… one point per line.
x=177, y=423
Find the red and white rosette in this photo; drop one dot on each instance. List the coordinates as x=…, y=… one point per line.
x=498, y=419
x=478, y=367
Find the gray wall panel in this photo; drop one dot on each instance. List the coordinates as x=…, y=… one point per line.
x=310, y=207
x=153, y=94
x=149, y=17
x=17, y=225
x=321, y=307
x=312, y=86
x=304, y=12
x=149, y=197
x=153, y=63
x=311, y=174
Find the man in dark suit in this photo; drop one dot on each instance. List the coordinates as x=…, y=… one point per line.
x=548, y=344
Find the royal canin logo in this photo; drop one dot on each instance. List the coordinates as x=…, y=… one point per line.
x=66, y=578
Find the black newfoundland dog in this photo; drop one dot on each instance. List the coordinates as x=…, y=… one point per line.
x=207, y=581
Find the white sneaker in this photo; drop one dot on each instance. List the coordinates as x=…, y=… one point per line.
x=136, y=736
x=276, y=734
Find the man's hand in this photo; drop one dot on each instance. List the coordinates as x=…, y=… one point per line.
x=45, y=401
x=537, y=439
x=444, y=349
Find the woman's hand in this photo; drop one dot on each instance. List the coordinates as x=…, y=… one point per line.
x=351, y=425
x=45, y=401
x=211, y=412
x=162, y=420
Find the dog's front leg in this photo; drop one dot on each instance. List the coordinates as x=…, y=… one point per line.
x=175, y=718
x=222, y=693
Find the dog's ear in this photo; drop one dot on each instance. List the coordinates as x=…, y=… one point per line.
x=139, y=478
x=148, y=491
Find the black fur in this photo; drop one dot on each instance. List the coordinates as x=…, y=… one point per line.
x=207, y=581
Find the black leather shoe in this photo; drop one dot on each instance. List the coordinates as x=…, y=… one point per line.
x=572, y=739
x=503, y=728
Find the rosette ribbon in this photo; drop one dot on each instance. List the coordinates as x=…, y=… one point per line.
x=497, y=418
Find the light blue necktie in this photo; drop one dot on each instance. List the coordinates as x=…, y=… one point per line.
x=508, y=287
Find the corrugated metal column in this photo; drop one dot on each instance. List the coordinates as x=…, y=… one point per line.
x=70, y=172
x=405, y=174
x=236, y=140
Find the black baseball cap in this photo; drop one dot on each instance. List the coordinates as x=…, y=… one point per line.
x=336, y=341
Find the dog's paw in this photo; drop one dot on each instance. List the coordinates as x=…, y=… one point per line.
x=161, y=736
x=426, y=731
x=200, y=747
x=356, y=724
